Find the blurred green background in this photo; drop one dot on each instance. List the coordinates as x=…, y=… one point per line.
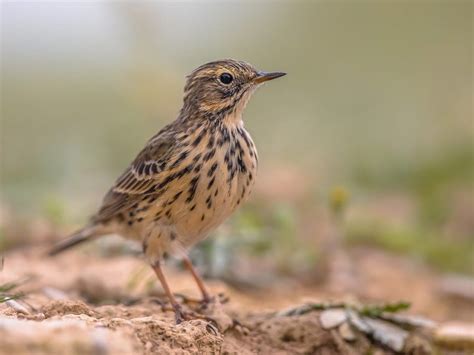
x=377, y=104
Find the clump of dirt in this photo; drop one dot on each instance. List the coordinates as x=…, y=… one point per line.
x=295, y=334
x=57, y=308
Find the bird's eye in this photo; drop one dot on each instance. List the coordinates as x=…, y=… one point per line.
x=226, y=78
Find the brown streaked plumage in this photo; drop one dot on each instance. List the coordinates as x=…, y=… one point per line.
x=190, y=176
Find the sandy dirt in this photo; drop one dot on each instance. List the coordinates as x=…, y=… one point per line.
x=82, y=303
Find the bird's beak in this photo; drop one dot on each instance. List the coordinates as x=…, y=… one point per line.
x=264, y=76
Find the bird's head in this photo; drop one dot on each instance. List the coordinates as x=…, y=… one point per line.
x=222, y=88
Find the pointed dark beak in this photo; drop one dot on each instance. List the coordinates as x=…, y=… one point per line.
x=264, y=76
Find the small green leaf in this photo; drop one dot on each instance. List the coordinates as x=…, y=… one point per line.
x=375, y=311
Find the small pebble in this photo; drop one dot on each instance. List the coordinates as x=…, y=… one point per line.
x=346, y=332
x=331, y=318
x=456, y=335
x=17, y=307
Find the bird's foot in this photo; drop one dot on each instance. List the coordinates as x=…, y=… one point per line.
x=205, y=302
x=182, y=315
x=179, y=314
x=208, y=301
x=208, y=309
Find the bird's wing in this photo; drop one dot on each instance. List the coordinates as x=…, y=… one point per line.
x=140, y=178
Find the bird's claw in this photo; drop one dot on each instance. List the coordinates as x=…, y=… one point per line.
x=181, y=316
x=220, y=298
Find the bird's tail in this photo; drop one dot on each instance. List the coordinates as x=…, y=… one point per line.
x=82, y=235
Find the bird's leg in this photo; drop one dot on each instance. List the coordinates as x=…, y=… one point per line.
x=206, y=298
x=179, y=316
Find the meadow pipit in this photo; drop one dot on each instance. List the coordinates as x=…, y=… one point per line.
x=190, y=176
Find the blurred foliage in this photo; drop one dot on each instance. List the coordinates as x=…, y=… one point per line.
x=432, y=247
x=8, y=290
x=379, y=310
x=259, y=231
x=3, y=239
x=338, y=199
x=271, y=230
x=429, y=181
x=54, y=210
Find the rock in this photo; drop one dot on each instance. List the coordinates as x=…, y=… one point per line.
x=410, y=321
x=18, y=307
x=455, y=335
x=387, y=334
x=331, y=318
x=346, y=332
x=358, y=322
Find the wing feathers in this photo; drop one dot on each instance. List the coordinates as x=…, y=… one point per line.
x=145, y=172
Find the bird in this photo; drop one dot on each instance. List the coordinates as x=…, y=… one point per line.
x=190, y=176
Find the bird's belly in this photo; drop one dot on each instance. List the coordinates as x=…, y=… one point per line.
x=217, y=196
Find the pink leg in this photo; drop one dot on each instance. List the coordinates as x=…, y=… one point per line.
x=205, y=294
x=177, y=308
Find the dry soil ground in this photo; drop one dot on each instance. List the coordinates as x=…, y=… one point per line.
x=79, y=303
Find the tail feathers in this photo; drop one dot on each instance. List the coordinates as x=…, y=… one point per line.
x=76, y=238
